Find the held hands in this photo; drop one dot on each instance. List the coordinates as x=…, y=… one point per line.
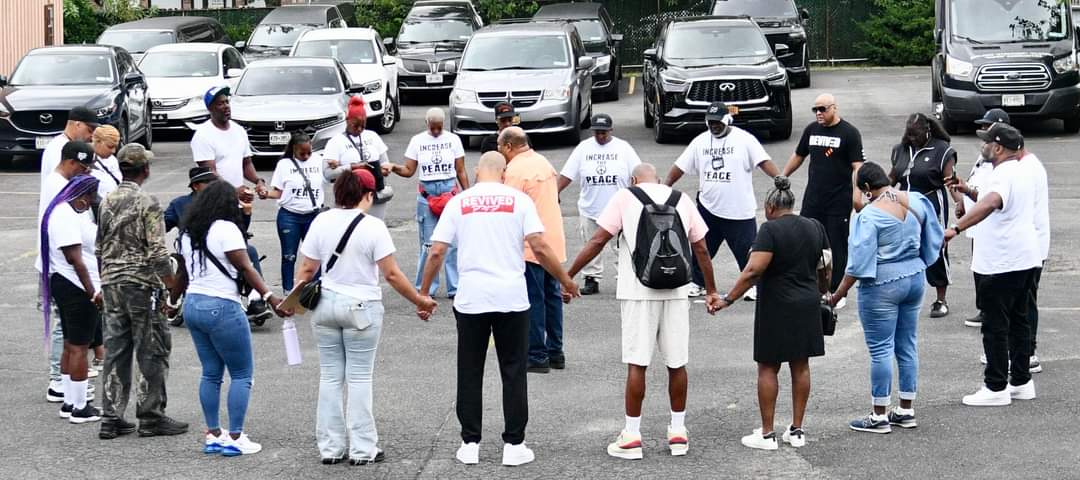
x=261, y=190
x=570, y=291
x=714, y=303
x=835, y=298
x=387, y=168
x=426, y=308
x=950, y=233
x=333, y=164
x=244, y=194
x=275, y=303
x=957, y=184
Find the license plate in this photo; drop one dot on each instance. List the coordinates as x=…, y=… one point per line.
x=434, y=78
x=41, y=142
x=1012, y=100
x=733, y=110
x=279, y=138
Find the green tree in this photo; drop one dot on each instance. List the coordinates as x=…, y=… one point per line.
x=900, y=32
x=81, y=22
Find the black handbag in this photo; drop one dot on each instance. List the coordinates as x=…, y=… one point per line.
x=311, y=293
x=827, y=313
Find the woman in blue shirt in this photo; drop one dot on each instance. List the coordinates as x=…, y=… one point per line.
x=893, y=239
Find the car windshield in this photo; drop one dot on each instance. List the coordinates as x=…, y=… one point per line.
x=755, y=8
x=504, y=52
x=985, y=21
x=180, y=64
x=435, y=31
x=591, y=31
x=277, y=36
x=64, y=69
x=136, y=41
x=347, y=51
x=289, y=81
x=691, y=42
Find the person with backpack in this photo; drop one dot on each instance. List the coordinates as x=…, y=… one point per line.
x=660, y=227
x=297, y=186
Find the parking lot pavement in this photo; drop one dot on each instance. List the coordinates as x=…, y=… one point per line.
x=576, y=412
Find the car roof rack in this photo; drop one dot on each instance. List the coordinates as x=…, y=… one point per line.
x=508, y=21
x=712, y=17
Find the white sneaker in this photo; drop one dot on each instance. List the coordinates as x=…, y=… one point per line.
x=751, y=295
x=239, y=446
x=515, y=455
x=755, y=440
x=92, y=373
x=468, y=453
x=982, y=359
x=1022, y=392
x=213, y=444
x=988, y=398
x=796, y=438
x=696, y=291
x=841, y=304
x=1034, y=365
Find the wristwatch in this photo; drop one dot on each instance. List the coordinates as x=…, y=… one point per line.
x=956, y=228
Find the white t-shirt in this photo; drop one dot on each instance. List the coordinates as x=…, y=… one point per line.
x=620, y=218
x=343, y=148
x=227, y=148
x=294, y=195
x=1008, y=241
x=50, y=186
x=725, y=168
x=602, y=170
x=66, y=228
x=435, y=155
x=224, y=236
x=106, y=182
x=1035, y=168
x=980, y=175
x=356, y=272
x=489, y=223
x=51, y=157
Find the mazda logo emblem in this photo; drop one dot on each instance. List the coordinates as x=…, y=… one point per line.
x=45, y=118
x=279, y=126
x=727, y=87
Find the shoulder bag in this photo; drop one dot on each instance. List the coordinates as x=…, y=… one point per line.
x=827, y=313
x=383, y=192
x=311, y=293
x=315, y=207
x=242, y=286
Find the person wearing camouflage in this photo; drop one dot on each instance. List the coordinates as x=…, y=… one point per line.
x=134, y=266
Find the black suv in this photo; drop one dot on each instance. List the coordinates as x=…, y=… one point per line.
x=700, y=60
x=597, y=32
x=782, y=23
x=432, y=36
x=48, y=82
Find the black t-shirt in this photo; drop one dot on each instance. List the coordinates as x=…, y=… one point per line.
x=831, y=151
x=926, y=174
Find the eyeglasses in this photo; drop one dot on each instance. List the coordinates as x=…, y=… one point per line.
x=822, y=109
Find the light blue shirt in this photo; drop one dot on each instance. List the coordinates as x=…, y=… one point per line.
x=883, y=248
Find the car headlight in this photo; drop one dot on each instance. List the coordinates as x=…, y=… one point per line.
x=674, y=85
x=603, y=64
x=561, y=93
x=4, y=113
x=778, y=74
x=797, y=32
x=372, y=87
x=957, y=68
x=1065, y=64
x=462, y=96
x=106, y=110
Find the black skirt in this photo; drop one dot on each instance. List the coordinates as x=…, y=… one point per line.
x=787, y=331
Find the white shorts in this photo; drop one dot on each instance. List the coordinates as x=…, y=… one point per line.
x=651, y=324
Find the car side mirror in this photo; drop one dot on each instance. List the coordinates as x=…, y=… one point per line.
x=388, y=60
x=240, y=45
x=389, y=42
x=937, y=35
x=451, y=66
x=804, y=14
x=586, y=63
x=616, y=37
x=355, y=89
x=132, y=78
x=234, y=72
x=649, y=54
x=781, y=49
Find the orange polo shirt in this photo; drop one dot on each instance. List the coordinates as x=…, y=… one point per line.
x=531, y=173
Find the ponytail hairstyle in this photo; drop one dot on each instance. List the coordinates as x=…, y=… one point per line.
x=780, y=197
x=77, y=187
x=297, y=138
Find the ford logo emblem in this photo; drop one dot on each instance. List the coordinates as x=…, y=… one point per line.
x=279, y=126
x=727, y=87
x=45, y=118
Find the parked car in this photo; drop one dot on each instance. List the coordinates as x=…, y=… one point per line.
x=596, y=29
x=362, y=52
x=49, y=81
x=275, y=35
x=782, y=23
x=541, y=67
x=700, y=60
x=179, y=74
x=433, y=34
x=139, y=36
x=278, y=96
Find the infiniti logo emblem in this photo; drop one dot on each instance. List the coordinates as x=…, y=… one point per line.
x=279, y=126
x=45, y=118
x=727, y=87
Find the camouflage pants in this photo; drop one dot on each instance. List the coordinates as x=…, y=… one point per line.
x=135, y=327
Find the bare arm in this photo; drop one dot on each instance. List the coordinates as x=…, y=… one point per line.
x=755, y=268
x=713, y=302
x=408, y=169
x=673, y=175
x=793, y=164
x=305, y=272
x=592, y=248
x=435, y=259
x=401, y=284
x=249, y=171
x=769, y=168
x=273, y=193
x=73, y=255
x=547, y=259
x=564, y=182
x=982, y=209
x=462, y=175
x=842, y=290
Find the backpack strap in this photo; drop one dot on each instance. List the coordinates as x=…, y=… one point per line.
x=341, y=243
x=642, y=197
x=673, y=200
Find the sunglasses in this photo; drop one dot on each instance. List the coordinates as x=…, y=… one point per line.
x=822, y=109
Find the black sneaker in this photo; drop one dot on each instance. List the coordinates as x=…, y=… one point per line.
x=66, y=409
x=178, y=320
x=112, y=428
x=258, y=313
x=86, y=414
x=557, y=362
x=975, y=321
x=939, y=309
x=592, y=287
x=871, y=423
x=544, y=367
x=332, y=460
x=53, y=396
x=165, y=426
x=901, y=420
x=379, y=457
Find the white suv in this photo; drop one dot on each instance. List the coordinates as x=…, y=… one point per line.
x=362, y=53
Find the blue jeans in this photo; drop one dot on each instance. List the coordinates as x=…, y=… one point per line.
x=545, y=314
x=219, y=328
x=426, y=222
x=889, y=313
x=291, y=230
x=347, y=332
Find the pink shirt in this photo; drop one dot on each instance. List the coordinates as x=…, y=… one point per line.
x=532, y=174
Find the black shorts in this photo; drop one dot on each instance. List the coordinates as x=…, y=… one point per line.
x=939, y=274
x=79, y=318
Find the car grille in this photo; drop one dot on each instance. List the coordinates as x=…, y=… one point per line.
x=40, y=120
x=169, y=104
x=409, y=81
x=259, y=132
x=708, y=91
x=1013, y=76
x=416, y=66
x=519, y=99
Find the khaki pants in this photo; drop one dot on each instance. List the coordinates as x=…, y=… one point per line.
x=587, y=227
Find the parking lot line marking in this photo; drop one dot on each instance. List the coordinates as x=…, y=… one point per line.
x=630, y=89
x=23, y=256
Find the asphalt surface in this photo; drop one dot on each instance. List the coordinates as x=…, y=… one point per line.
x=575, y=413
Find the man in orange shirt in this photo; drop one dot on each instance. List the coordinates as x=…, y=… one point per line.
x=531, y=173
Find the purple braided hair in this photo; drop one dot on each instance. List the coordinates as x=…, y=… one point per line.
x=75, y=188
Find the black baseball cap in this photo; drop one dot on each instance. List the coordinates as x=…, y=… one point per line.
x=504, y=110
x=1004, y=135
x=81, y=152
x=716, y=112
x=602, y=122
x=84, y=115
x=200, y=175
x=994, y=115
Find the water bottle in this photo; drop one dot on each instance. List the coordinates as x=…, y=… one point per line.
x=292, y=342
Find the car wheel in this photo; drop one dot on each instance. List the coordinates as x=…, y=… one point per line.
x=1072, y=125
x=802, y=80
x=660, y=133
x=573, y=136
x=586, y=123
x=386, y=122
x=613, y=94
x=125, y=135
x=645, y=110
x=148, y=136
x=782, y=131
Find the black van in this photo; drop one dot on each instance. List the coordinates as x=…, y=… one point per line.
x=1017, y=55
x=782, y=23
x=275, y=34
x=137, y=37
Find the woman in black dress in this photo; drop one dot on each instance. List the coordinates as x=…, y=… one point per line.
x=920, y=163
x=789, y=263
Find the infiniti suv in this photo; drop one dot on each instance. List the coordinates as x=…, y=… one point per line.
x=700, y=60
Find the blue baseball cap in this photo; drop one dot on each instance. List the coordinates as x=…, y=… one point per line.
x=214, y=92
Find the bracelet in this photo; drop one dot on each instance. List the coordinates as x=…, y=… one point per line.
x=956, y=228
x=727, y=300
x=266, y=296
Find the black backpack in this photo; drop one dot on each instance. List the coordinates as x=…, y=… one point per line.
x=662, y=252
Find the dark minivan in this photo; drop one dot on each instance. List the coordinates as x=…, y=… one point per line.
x=597, y=31
x=433, y=34
x=137, y=37
x=275, y=34
x=782, y=23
